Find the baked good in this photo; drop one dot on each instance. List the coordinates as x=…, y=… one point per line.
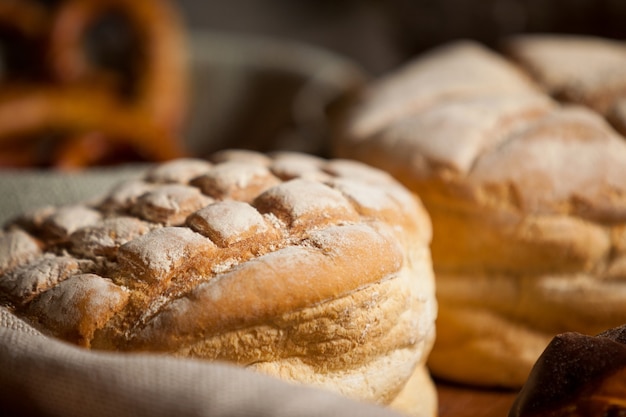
x=316, y=271
x=527, y=196
x=585, y=70
x=577, y=375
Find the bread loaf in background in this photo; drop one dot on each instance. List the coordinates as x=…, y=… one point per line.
x=583, y=70
x=526, y=191
x=315, y=271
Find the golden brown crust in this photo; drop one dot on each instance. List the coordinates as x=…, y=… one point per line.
x=527, y=198
x=248, y=294
x=77, y=307
x=170, y=204
x=310, y=269
x=235, y=179
x=16, y=248
x=22, y=284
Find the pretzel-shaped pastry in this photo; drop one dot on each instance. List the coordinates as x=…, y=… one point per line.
x=160, y=82
x=105, y=109
x=78, y=111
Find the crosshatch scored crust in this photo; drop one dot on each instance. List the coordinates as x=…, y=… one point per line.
x=309, y=269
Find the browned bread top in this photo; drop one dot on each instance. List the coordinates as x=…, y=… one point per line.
x=196, y=248
x=475, y=138
x=466, y=123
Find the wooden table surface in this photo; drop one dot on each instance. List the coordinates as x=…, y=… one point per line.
x=455, y=401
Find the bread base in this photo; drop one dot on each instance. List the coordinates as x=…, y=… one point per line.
x=418, y=398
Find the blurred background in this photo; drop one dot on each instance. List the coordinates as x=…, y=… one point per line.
x=381, y=34
x=103, y=82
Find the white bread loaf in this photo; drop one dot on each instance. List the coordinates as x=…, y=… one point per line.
x=316, y=271
x=527, y=196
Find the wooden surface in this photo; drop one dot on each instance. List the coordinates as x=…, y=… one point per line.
x=455, y=401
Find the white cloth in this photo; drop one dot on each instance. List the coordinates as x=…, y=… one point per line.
x=41, y=376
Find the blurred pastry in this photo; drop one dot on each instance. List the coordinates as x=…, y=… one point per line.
x=528, y=201
x=91, y=82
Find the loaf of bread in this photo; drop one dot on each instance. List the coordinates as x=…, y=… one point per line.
x=577, y=69
x=527, y=196
x=316, y=271
x=577, y=375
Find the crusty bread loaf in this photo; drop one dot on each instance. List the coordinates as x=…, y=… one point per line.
x=577, y=375
x=528, y=201
x=316, y=271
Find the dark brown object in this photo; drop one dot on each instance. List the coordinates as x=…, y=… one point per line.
x=577, y=375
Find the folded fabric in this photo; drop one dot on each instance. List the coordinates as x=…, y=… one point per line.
x=40, y=376
x=28, y=189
